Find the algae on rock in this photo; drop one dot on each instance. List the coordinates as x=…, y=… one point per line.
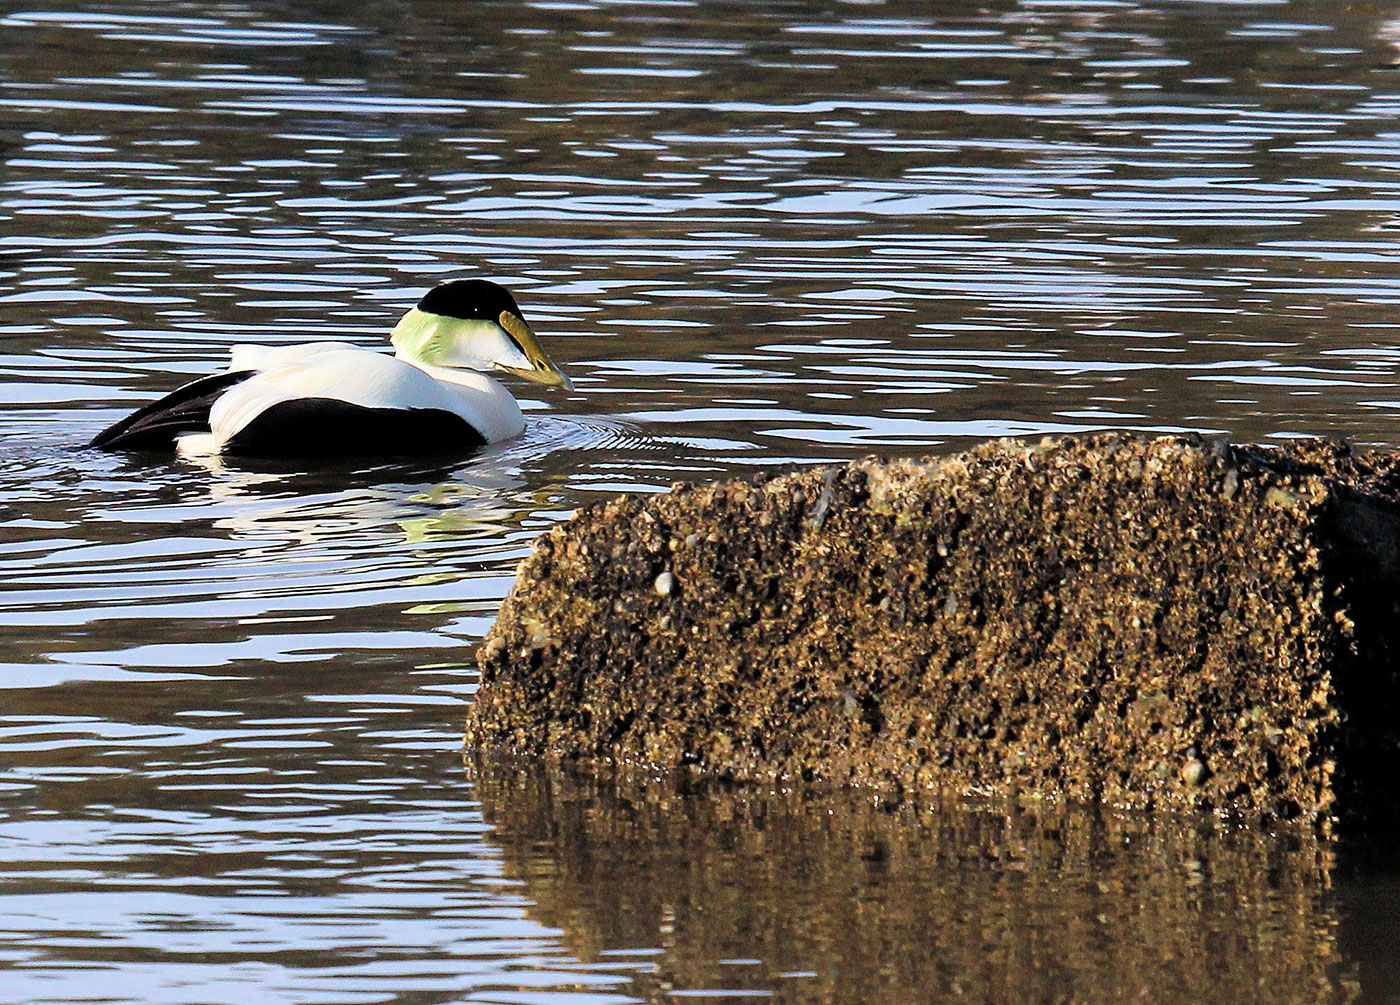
x=1165, y=623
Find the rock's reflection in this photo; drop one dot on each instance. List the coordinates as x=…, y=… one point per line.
x=835, y=900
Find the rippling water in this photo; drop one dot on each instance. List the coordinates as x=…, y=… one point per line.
x=755, y=234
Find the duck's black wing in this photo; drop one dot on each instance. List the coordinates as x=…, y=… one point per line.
x=183, y=410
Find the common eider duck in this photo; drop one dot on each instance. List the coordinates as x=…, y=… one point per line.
x=330, y=399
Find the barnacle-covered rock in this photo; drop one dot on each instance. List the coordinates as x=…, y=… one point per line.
x=1147, y=623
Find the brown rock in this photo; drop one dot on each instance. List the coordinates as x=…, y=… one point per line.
x=1167, y=624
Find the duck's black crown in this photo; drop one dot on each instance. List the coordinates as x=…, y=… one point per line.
x=469, y=299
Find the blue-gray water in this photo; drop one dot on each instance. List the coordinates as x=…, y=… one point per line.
x=755, y=234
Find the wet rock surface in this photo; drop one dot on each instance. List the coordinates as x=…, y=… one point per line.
x=1157, y=624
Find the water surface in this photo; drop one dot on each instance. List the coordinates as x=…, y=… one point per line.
x=755, y=235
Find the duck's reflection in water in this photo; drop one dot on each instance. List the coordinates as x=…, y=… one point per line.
x=838, y=899
x=491, y=493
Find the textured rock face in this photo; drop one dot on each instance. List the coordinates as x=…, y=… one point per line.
x=1144, y=623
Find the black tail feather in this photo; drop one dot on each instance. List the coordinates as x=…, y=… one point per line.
x=183, y=410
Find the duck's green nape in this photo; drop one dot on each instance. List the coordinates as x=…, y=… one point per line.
x=506, y=343
x=419, y=337
x=455, y=343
